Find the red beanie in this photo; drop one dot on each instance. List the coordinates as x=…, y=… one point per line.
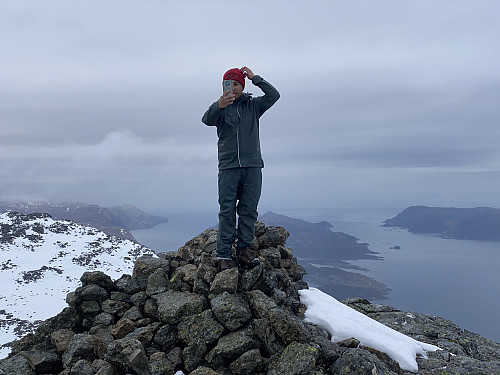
x=236, y=75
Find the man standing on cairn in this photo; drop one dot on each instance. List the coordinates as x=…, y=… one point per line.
x=236, y=116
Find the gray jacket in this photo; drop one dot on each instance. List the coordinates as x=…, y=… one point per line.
x=238, y=127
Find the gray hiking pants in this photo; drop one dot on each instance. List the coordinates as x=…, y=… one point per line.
x=239, y=192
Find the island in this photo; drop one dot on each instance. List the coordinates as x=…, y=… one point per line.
x=325, y=255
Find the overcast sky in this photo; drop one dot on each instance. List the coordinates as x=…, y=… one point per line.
x=383, y=103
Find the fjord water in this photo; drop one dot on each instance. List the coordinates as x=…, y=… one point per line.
x=454, y=279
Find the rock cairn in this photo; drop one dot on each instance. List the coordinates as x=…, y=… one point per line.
x=180, y=314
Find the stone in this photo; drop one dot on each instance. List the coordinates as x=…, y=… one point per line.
x=144, y=334
x=17, y=365
x=121, y=296
x=272, y=255
x=130, y=354
x=61, y=339
x=82, y=367
x=166, y=337
x=297, y=359
x=43, y=362
x=122, y=328
x=200, y=328
x=131, y=285
x=101, y=367
x=99, y=278
x=328, y=351
x=113, y=307
x=271, y=342
x=288, y=327
x=192, y=355
x=359, y=361
x=92, y=292
x=139, y=299
x=90, y=308
x=349, y=343
x=103, y=319
x=225, y=281
x=175, y=356
x=134, y=314
x=157, y=282
x=144, y=266
x=159, y=365
x=248, y=363
x=231, y=346
x=202, y=370
x=82, y=346
x=273, y=237
x=250, y=277
x=231, y=310
x=173, y=305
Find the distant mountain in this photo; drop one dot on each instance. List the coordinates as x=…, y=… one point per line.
x=42, y=259
x=481, y=223
x=316, y=241
x=115, y=221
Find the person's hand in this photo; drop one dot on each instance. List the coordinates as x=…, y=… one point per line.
x=247, y=72
x=225, y=100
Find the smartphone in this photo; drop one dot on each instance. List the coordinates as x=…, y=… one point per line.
x=227, y=86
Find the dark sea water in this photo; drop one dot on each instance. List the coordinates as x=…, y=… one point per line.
x=454, y=279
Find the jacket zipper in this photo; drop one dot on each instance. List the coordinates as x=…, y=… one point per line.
x=238, y=134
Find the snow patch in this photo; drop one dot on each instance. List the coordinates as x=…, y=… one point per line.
x=342, y=323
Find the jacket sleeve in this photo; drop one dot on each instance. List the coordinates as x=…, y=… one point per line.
x=271, y=95
x=212, y=115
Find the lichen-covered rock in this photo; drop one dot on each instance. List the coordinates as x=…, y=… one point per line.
x=16, y=364
x=128, y=354
x=225, y=281
x=160, y=365
x=173, y=306
x=248, y=363
x=144, y=266
x=200, y=328
x=231, y=346
x=47, y=362
x=202, y=370
x=231, y=310
x=82, y=367
x=359, y=362
x=82, y=346
x=98, y=278
x=288, y=327
x=273, y=237
x=297, y=359
x=157, y=282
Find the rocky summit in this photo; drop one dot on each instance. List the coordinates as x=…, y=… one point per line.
x=179, y=315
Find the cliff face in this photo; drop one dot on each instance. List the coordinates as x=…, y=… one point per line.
x=179, y=314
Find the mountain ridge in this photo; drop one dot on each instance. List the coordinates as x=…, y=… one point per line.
x=116, y=221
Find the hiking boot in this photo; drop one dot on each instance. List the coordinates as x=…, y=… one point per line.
x=247, y=257
x=225, y=263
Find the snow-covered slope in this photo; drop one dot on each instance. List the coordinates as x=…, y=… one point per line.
x=42, y=259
